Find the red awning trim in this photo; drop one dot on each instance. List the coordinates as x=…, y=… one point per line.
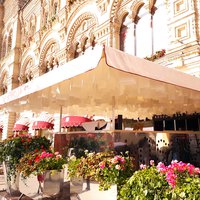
x=42, y=125
x=20, y=127
x=74, y=121
x=22, y=124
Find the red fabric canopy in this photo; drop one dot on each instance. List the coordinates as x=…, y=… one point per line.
x=71, y=121
x=20, y=127
x=42, y=125
x=1, y=126
x=44, y=121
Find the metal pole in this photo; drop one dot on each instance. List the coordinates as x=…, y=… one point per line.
x=152, y=36
x=60, y=121
x=113, y=113
x=135, y=40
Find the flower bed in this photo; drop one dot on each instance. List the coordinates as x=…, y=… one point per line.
x=105, y=167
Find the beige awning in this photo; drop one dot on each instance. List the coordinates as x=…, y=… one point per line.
x=103, y=80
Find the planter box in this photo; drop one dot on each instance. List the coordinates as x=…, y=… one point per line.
x=50, y=184
x=79, y=188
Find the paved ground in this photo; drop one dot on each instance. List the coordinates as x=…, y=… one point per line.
x=63, y=195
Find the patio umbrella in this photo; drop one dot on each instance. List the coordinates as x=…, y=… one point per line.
x=106, y=81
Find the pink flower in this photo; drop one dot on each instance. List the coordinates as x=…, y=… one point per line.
x=152, y=162
x=102, y=165
x=122, y=160
x=161, y=167
x=197, y=170
x=143, y=166
x=171, y=178
x=114, y=160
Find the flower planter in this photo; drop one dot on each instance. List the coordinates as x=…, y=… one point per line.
x=91, y=190
x=12, y=184
x=46, y=185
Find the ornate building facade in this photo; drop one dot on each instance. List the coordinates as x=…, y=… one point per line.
x=37, y=36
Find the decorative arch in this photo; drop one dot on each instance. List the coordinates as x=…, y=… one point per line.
x=77, y=24
x=123, y=14
x=136, y=6
x=152, y=4
x=26, y=71
x=25, y=63
x=114, y=9
x=50, y=48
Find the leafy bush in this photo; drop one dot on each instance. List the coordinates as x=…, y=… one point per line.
x=178, y=181
x=15, y=147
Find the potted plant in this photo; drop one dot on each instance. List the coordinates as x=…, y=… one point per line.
x=102, y=171
x=13, y=149
x=178, y=181
x=47, y=166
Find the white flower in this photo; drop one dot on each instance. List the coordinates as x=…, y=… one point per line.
x=118, y=167
x=72, y=157
x=90, y=154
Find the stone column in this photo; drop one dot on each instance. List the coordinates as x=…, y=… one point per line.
x=1, y=25
x=115, y=34
x=8, y=124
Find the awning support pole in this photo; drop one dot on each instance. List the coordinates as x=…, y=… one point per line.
x=113, y=114
x=60, y=119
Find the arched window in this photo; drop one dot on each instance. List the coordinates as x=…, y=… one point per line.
x=143, y=32
x=123, y=34
x=126, y=35
x=160, y=30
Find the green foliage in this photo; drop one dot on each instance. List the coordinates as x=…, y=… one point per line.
x=145, y=184
x=187, y=188
x=178, y=181
x=81, y=144
x=14, y=148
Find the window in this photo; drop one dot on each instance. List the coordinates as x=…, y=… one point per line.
x=181, y=31
x=180, y=6
x=126, y=36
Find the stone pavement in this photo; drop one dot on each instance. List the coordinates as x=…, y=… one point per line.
x=63, y=195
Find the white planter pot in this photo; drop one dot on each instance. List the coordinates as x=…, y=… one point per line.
x=79, y=188
x=51, y=185
x=12, y=185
